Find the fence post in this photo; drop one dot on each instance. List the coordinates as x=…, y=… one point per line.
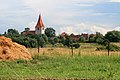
x=38, y=46
x=80, y=51
x=72, y=50
x=108, y=48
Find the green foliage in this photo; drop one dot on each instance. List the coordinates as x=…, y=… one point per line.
x=51, y=40
x=81, y=39
x=45, y=38
x=62, y=40
x=26, y=41
x=111, y=48
x=76, y=45
x=50, y=32
x=12, y=32
x=56, y=40
x=113, y=36
x=42, y=42
x=58, y=45
x=68, y=42
x=99, y=38
x=101, y=48
x=91, y=38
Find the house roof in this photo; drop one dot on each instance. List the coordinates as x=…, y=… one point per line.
x=40, y=23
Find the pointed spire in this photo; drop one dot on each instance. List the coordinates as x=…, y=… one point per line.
x=40, y=23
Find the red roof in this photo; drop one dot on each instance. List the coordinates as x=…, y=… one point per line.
x=40, y=23
x=28, y=32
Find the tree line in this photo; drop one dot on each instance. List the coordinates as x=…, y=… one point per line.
x=50, y=38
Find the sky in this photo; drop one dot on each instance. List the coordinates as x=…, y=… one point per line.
x=70, y=16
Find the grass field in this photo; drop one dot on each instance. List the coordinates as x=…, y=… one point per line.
x=57, y=63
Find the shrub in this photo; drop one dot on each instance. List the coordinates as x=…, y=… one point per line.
x=111, y=48
x=76, y=45
x=59, y=45
x=100, y=48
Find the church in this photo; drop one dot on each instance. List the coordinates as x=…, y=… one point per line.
x=39, y=28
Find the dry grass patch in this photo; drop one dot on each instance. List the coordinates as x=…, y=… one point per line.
x=85, y=49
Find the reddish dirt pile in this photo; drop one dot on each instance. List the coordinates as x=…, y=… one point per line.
x=11, y=51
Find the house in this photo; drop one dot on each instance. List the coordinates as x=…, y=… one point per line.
x=85, y=36
x=75, y=37
x=39, y=28
x=63, y=35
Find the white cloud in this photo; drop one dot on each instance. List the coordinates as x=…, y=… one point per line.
x=117, y=28
x=84, y=28
x=115, y=0
x=32, y=25
x=99, y=29
x=54, y=12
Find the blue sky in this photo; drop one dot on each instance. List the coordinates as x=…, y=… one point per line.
x=71, y=16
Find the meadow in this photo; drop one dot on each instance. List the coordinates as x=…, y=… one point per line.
x=57, y=63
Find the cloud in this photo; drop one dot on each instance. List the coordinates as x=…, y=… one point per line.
x=84, y=28
x=60, y=14
x=99, y=29
x=31, y=25
x=117, y=28
x=115, y=1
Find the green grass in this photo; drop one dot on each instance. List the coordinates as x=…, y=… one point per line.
x=64, y=66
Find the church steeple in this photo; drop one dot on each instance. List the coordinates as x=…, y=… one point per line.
x=39, y=26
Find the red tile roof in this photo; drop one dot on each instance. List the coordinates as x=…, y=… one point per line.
x=40, y=23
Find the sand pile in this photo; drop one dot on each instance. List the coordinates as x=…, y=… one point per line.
x=10, y=50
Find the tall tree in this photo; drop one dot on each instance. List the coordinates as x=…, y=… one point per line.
x=99, y=38
x=91, y=38
x=113, y=36
x=82, y=39
x=50, y=32
x=12, y=31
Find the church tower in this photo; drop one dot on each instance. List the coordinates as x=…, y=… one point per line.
x=39, y=28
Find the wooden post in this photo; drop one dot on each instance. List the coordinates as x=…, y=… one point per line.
x=108, y=48
x=80, y=51
x=72, y=50
x=38, y=46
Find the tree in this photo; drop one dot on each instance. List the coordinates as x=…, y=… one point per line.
x=99, y=38
x=68, y=42
x=56, y=40
x=91, y=38
x=50, y=32
x=45, y=38
x=62, y=40
x=81, y=39
x=113, y=36
x=51, y=40
x=41, y=42
x=12, y=32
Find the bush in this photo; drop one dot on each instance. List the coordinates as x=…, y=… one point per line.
x=100, y=48
x=76, y=45
x=59, y=45
x=111, y=48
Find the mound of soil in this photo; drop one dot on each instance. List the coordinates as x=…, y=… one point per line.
x=11, y=51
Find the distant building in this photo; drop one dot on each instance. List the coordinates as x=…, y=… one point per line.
x=86, y=36
x=39, y=28
x=63, y=35
x=75, y=37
